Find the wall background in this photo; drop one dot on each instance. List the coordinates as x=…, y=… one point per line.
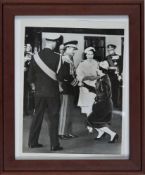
x=110, y=39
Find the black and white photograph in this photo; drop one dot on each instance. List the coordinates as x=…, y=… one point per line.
x=71, y=87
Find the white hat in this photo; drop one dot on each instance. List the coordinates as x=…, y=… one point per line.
x=52, y=36
x=89, y=48
x=104, y=65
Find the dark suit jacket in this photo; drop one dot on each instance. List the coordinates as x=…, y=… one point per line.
x=66, y=78
x=119, y=62
x=45, y=86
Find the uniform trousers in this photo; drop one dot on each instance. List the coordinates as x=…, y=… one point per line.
x=65, y=120
x=114, y=87
x=52, y=106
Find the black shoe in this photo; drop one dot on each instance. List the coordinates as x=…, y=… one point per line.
x=38, y=145
x=71, y=136
x=63, y=137
x=56, y=148
x=102, y=137
x=98, y=139
x=116, y=137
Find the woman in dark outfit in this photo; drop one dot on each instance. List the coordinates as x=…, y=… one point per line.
x=101, y=115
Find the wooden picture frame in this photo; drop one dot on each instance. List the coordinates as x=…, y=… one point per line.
x=134, y=9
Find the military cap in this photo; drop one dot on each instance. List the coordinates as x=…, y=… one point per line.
x=72, y=43
x=111, y=46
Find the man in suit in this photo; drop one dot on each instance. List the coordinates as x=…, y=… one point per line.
x=115, y=72
x=42, y=78
x=69, y=82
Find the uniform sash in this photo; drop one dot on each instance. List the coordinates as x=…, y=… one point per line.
x=45, y=68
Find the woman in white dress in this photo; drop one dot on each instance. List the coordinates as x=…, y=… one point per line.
x=86, y=72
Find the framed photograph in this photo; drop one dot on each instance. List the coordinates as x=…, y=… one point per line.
x=72, y=80
x=92, y=40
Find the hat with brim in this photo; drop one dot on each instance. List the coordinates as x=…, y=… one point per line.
x=104, y=65
x=111, y=46
x=89, y=49
x=52, y=36
x=71, y=44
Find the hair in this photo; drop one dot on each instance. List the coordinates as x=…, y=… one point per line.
x=105, y=71
x=92, y=51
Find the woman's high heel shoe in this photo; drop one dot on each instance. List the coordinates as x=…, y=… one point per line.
x=102, y=137
x=116, y=137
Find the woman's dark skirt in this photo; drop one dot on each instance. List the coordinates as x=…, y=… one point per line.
x=101, y=113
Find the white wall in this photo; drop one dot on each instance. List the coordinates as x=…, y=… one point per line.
x=110, y=39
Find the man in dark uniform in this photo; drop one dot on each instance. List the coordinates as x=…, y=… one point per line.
x=43, y=68
x=115, y=72
x=67, y=76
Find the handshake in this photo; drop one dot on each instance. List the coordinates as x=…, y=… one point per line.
x=90, y=77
